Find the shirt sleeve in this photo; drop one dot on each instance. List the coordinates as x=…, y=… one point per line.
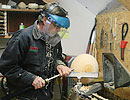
x=60, y=60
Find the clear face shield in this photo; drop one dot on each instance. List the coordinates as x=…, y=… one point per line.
x=54, y=26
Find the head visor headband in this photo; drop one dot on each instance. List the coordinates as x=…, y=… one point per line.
x=63, y=22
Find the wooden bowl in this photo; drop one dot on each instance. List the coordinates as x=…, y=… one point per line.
x=85, y=63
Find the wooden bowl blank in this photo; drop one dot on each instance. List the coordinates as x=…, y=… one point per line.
x=85, y=63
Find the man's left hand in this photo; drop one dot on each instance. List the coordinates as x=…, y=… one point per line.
x=63, y=70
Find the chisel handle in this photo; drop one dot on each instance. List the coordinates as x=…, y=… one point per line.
x=122, y=53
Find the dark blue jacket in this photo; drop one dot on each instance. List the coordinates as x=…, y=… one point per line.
x=25, y=58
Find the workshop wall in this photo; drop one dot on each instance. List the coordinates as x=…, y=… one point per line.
x=82, y=22
x=126, y=3
x=108, y=41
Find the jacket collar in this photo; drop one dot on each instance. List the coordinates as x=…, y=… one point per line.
x=37, y=34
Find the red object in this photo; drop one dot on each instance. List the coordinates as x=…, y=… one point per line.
x=33, y=48
x=67, y=58
x=123, y=43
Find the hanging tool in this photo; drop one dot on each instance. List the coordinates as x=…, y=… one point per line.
x=11, y=95
x=111, y=33
x=114, y=34
x=106, y=38
x=123, y=43
x=101, y=38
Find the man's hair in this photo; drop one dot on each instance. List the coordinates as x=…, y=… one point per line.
x=52, y=8
x=55, y=9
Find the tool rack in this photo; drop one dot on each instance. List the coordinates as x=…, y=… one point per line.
x=108, y=40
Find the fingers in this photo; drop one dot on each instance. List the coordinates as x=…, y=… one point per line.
x=60, y=72
x=38, y=83
x=63, y=70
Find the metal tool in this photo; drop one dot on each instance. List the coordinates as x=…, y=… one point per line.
x=106, y=38
x=114, y=34
x=11, y=95
x=124, y=34
x=111, y=33
x=123, y=43
x=80, y=75
x=101, y=38
x=89, y=91
x=49, y=79
x=115, y=74
x=83, y=74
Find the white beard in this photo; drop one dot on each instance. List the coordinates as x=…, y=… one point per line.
x=46, y=30
x=52, y=37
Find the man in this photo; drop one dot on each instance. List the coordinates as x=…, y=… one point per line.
x=35, y=53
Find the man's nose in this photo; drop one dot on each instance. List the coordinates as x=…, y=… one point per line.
x=58, y=29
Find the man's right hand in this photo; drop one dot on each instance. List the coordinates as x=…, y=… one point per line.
x=38, y=82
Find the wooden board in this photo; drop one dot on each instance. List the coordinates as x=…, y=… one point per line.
x=126, y=3
x=104, y=22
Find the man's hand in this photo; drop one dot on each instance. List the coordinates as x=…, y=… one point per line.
x=63, y=70
x=38, y=82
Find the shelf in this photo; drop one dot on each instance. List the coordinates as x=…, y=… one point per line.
x=6, y=36
x=17, y=16
x=21, y=10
